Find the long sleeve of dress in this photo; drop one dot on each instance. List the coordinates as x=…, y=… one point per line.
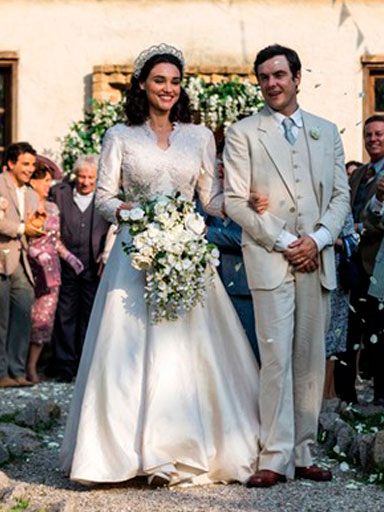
x=109, y=176
x=209, y=186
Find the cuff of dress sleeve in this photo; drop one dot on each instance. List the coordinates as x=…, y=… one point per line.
x=283, y=241
x=322, y=238
x=21, y=228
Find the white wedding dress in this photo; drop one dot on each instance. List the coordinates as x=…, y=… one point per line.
x=177, y=399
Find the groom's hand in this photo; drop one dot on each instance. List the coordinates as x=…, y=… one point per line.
x=258, y=202
x=302, y=253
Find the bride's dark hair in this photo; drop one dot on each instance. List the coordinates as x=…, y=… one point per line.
x=136, y=105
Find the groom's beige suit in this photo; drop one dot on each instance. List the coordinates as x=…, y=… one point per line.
x=307, y=188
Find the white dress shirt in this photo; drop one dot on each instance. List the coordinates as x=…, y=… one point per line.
x=20, y=195
x=82, y=200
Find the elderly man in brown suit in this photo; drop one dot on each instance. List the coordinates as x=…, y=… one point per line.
x=18, y=221
x=296, y=159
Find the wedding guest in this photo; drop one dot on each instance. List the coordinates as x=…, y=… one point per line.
x=351, y=166
x=363, y=185
x=83, y=232
x=44, y=253
x=296, y=159
x=18, y=221
x=336, y=338
x=226, y=234
x=375, y=298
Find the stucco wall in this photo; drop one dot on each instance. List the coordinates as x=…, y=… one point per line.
x=59, y=42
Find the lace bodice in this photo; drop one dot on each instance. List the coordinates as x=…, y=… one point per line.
x=131, y=159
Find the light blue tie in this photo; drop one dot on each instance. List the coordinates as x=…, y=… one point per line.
x=288, y=124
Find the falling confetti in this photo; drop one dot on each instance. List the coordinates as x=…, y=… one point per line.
x=342, y=130
x=344, y=466
x=309, y=70
x=353, y=485
x=381, y=306
x=317, y=85
x=373, y=339
x=230, y=284
x=358, y=122
x=356, y=346
x=373, y=280
x=238, y=266
x=361, y=94
x=352, y=308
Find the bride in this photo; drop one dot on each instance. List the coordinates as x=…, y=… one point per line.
x=176, y=401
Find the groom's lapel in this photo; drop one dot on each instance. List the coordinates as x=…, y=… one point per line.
x=274, y=144
x=315, y=141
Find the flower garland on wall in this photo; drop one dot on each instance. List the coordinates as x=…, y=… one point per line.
x=216, y=105
x=221, y=104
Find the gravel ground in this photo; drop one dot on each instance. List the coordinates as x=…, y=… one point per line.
x=38, y=480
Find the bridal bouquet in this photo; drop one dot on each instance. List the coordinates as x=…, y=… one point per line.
x=167, y=240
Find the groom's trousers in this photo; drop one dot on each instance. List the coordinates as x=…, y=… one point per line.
x=291, y=322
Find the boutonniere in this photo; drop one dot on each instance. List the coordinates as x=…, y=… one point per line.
x=314, y=133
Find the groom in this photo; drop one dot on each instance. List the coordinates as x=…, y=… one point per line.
x=296, y=159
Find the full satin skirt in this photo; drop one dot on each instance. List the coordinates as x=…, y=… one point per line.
x=179, y=399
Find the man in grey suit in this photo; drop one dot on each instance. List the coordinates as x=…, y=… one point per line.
x=363, y=317
x=17, y=222
x=296, y=159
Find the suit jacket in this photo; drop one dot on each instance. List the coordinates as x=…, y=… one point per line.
x=256, y=160
x=13, y=247
x=226, y=234
x=372, y=236
x=376, y=287
x=62, y=195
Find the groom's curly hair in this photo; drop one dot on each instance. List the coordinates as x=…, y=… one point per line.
x=273, y=51
x=136, y=105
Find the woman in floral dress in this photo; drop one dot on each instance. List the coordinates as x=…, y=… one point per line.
x=44, y=254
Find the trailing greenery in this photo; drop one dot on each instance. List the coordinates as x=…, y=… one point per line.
x=214, y=105
x=85, y=136
x=20, y=504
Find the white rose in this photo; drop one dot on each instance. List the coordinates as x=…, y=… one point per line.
x=195, y=223
x=124, y=215
x=140, y=262
x=187, y=263
x=136, y=213
x=159, y=208
x=146, y=251
x=140, y=240
x=215, y=253
x=153, y=231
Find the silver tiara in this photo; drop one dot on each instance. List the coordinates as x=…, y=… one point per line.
x=159, y=49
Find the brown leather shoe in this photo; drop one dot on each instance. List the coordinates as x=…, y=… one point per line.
x=265, y=478
x=7, y=382
x=23, y=382
x=313, y=473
